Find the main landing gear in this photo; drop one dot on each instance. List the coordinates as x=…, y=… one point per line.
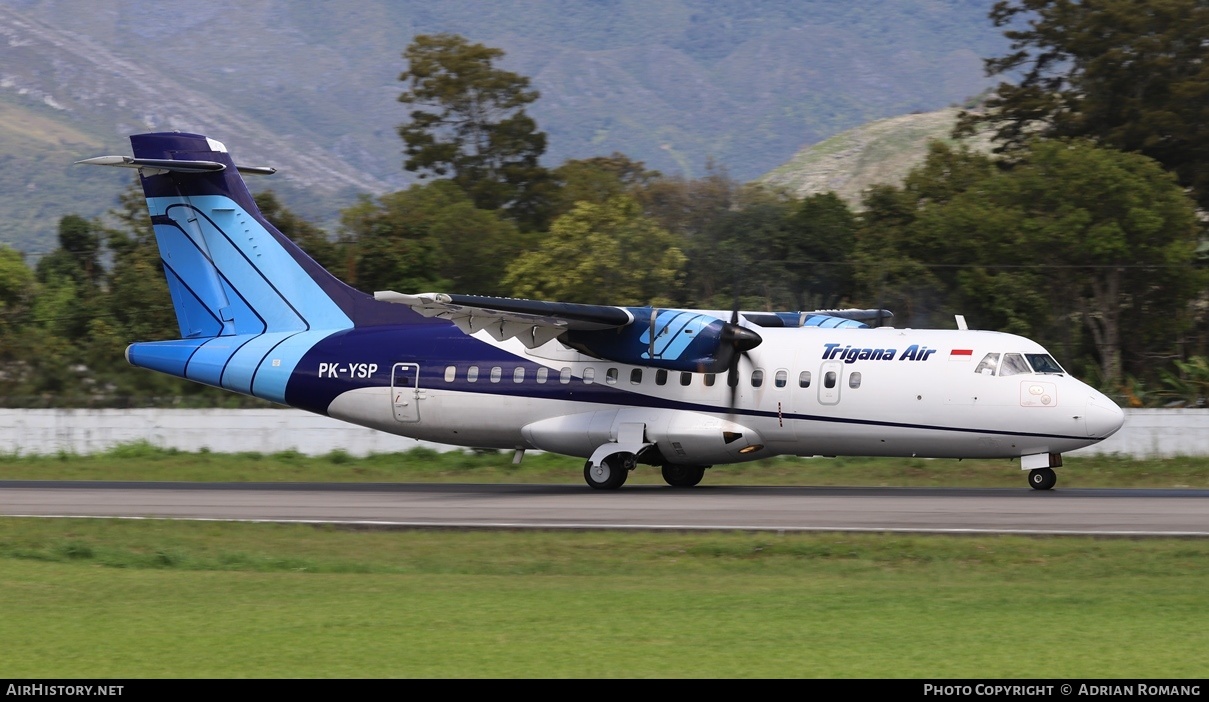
x=1042, y=478
x=682, y=476
x=612, y=471
x=615, y=468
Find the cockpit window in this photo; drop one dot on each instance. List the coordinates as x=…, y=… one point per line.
x=987, y=365
x=1014, y=364
x=1043, y=363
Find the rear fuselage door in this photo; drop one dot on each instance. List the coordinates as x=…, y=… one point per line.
x=405, y=391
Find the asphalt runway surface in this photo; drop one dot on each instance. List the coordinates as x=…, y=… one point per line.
x=1099, y=512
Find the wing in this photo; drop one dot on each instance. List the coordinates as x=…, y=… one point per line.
x=685, y=340
x=533, y=322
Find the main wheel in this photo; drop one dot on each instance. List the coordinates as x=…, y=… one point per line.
x=682, y=476
x=611, y=473
x=1042, y=478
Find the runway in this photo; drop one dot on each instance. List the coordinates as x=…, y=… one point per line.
x=1096, y=512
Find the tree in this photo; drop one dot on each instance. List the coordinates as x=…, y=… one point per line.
x=435, y=237
x=598, y=179
x=821, y=238
x=1132, y=74
x=470, y=124
x=16, y=283
x=609, y=254
x=1071, y=232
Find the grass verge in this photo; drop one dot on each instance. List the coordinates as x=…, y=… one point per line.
x=85, y=598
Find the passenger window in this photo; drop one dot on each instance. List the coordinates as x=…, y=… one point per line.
x=564, y=376
x=496, y=374
x=709, y=380
x=804, y=379
x=451, y=372
x=589, y=376
x=686, y=379
x=987, y=365
x=829, y=379
x=661, y=377
x=1014, y=364
x=757, y=378
x=472, y=374
x=542, y=374
x=518, y=375
x=611, y=376
x=636, y=376
x=781, y=378
x=854, y=379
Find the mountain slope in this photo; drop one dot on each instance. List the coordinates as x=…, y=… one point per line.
x=312, y=88
x=881, y=152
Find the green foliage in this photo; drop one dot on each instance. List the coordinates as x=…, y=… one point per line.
x=16, y=283
x=1130, y=75
x=609, y=253
x=598, y=179
x=471, y=124
x=1189, y=383
x=1070, y=231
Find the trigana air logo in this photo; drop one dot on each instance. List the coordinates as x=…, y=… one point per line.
x=852, y=354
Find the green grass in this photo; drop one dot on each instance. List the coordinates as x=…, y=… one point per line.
x=97, y=598
x=163, y=599
x=145, y=462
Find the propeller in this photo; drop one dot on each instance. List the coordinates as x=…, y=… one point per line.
x=738, y=340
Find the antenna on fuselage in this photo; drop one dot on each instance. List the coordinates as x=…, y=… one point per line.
x=961, y=322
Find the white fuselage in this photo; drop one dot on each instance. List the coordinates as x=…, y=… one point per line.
x=803, y=391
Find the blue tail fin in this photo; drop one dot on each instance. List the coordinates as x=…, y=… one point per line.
x=230, y=272
x=249, y=302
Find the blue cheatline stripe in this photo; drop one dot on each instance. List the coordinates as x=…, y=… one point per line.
x=257, y=267
x=244, y=362
x=273, y=374
x=207, y=365
x=256, y=364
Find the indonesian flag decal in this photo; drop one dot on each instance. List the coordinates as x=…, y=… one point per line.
x=961, y=354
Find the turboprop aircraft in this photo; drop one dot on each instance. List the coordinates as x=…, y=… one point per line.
x=621, y=387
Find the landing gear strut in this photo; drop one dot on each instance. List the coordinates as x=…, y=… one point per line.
x=1042, y=478
x=682, y=476
x=612, y=471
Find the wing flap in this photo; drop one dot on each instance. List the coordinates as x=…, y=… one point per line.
x=533, y=322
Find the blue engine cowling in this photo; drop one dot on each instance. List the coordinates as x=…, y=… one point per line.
x=671, y=339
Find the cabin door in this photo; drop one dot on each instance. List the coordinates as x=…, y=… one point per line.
x=405, y=391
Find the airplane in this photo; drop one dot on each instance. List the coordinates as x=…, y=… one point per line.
x=681, y=389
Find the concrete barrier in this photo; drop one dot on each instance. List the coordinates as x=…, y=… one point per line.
x=1148, y=433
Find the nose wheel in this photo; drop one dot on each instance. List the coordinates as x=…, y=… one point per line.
x=1042, y=478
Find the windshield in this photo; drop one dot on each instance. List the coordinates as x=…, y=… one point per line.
x=1043, y=363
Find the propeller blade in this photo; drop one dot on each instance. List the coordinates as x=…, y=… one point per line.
x=740, y=340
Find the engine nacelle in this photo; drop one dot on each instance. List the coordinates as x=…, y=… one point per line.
x=672, y=339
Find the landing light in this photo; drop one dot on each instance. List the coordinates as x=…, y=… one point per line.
x=751, y=449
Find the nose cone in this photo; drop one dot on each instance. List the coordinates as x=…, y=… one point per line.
x=1102, y=416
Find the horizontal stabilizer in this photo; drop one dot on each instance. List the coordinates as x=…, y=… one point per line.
x=164, y=165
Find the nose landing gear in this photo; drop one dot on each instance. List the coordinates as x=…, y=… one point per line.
x=1042, y=478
